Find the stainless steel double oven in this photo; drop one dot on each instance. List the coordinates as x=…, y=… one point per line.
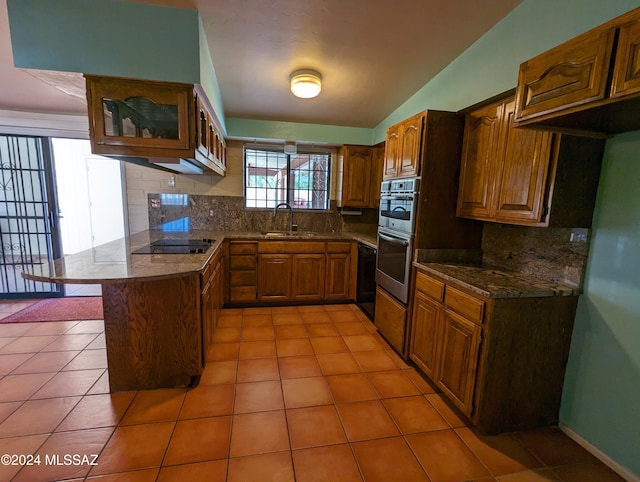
x=396, y=229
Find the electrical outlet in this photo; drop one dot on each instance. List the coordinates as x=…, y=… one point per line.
x=578, y=237
x=210, y=213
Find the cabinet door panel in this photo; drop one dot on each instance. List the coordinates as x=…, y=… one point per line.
x=571, y=74
x=377, y=164
x=458, y=359
x=308, y=276
x=480, y=150
x=391, y=152
x=274, y=277
x=410, y=143
x=626, y=74
x=522, y=174
x=357, y=176
x=390, y=319
x=338, y=276
x=424, y=334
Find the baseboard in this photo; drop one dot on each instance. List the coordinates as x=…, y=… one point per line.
x=599, y=454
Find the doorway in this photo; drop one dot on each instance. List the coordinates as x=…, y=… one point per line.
x=27, y=222
x=90, y=201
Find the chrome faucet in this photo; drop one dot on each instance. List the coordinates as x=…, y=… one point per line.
x=288, y=206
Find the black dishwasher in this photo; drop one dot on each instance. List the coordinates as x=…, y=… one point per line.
x=366, y=292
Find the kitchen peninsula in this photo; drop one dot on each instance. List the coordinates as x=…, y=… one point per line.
x=152, y=307
x=159, y=309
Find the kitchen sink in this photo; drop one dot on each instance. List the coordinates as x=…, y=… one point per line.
x=283, y=234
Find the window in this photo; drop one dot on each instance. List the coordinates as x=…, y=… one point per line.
x=272, y=177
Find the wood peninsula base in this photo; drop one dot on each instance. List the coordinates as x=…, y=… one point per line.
x=153, y=333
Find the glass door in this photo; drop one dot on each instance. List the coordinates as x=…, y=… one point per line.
x=28, y=215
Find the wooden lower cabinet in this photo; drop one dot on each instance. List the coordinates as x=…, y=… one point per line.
x=390, y=319
x=308, y=277
x=211, y=300
x=291, y=271
x=422, y=350
x=274, y=277
x=338, y=280
x=243, y=274
x=501, y=361
x=457, y=360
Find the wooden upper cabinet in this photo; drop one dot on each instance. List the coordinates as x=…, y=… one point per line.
x=376, y=175
x=361, y=176
x=410, y=143
x=479, y=159
x=504, y=170
x=589, y=84
x=521, y=180
x=159, y=124
x=403, y=148
x=571, y=74
x=626, y=74
x=139, y=115
x=391, y=152
x=523, y=176
x=356, y=177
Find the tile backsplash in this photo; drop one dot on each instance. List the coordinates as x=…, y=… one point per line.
x=557, y=255
x=227, y=213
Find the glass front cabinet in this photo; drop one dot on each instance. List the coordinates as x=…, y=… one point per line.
x=167, y=123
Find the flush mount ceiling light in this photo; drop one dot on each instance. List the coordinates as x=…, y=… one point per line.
x=290, y=148
x=306, y=83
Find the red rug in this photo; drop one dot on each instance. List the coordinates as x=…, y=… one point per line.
x=59, y=309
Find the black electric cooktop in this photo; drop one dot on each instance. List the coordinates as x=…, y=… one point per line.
x=176, y=246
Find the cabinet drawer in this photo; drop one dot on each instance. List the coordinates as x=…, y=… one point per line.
x=243, y=248
x=243, y=262
x=242, y=293
x=430, y=286
x=338, y=247
x=243, y=278
x=466, y=305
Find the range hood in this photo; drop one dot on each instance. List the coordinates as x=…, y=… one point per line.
x=173, y=165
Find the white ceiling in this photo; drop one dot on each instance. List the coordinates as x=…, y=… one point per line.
x=373, y=55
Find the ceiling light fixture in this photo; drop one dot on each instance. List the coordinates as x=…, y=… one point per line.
x=306, y=83
x=290, y=148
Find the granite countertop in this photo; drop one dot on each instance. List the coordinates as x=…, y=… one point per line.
x=496, y=283
x=113, y=262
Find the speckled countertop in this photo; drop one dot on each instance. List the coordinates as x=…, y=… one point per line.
x=496, y=283
x=113, y=262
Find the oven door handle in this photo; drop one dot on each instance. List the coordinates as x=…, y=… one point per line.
x=396, y=197
x=392, y=239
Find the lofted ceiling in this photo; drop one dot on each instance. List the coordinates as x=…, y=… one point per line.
x=372, y=54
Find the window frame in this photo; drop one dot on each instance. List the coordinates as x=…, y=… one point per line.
x=280, y=150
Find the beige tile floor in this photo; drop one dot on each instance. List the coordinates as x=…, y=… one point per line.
x=288, y=394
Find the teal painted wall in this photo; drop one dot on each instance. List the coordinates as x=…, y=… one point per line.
x=602, y=385
x=106, y=37
x=208, y=78
x=257, y=129
x=490, y=65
